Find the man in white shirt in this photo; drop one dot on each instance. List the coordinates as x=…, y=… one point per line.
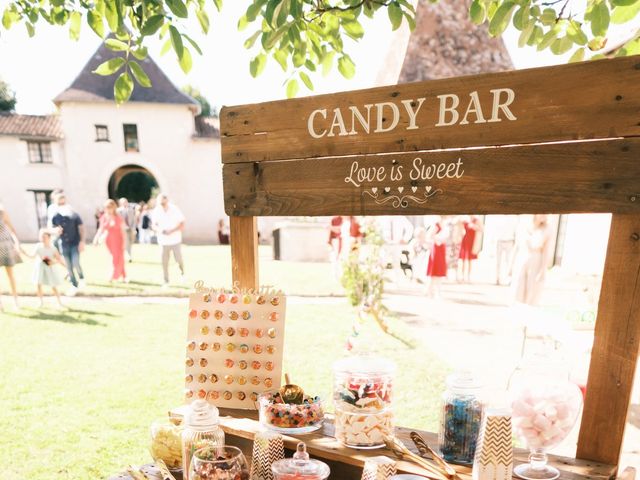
x=168, y=223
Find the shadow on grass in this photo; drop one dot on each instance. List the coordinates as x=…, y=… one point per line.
x=69, y=315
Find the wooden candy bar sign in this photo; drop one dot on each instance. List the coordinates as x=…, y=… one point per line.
x=234, y=347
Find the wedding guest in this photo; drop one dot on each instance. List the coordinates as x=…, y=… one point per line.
x=9, y=252
x=72, y=235
x=168, y=223
x=532, y=272
x=437, y=267
x=44, y=273
x=468, y=247
x=113, y=232
x=128, y=214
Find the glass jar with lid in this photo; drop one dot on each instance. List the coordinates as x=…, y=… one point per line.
x=460, y=418
x=362, y=396
x=300, y=467
x=201, y=429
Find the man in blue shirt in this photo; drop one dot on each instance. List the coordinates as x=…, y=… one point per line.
x=72, y=234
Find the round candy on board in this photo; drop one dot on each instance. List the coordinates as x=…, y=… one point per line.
x=244, y=332
x=241, y=395
x=203, y=345
x=228, y=379
x=228, y=395
x=213, y=378
x=219, y=330
x=204, y=362
x=229, y=363
x=246, y=299
x=189, y=362
x=204, y=314
x=202, y=378
x=233, y=315
x=242, y=364
x=204, y=330
x=218, y=314
x=257, y=348
x=188, y=393
x=213, y=395
x=188, y=378
x=191, y=346
x=215, y=347
x=221, y=298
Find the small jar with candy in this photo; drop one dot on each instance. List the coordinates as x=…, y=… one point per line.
x=300, y=467
x=280, y=415
x=218, y=463
x=201, y=429
x=362, y=396
x=460, y=419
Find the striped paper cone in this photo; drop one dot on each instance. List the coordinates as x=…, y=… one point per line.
x=379, y=468
x=267, y=448
x=494, y=452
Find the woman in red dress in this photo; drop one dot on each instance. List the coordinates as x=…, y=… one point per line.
x=467, y=252
x=112, y=229
x=437, y=267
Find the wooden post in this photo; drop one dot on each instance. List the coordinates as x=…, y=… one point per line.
x=244, y=251
x=615, y=346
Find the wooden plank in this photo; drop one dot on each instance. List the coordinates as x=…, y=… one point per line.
x=615, y=347
x=578, y=101
x=323, y=445
x=244, y=251
x=594, y=176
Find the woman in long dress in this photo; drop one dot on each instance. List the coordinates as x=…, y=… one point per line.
x=467, y=254
x=530, y=281
x=437, y=267
x=112, y=229
x=9, y=252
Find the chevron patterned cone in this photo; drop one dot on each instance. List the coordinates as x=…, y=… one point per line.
x=268, y=447
x=494, y=453
x=378, y=468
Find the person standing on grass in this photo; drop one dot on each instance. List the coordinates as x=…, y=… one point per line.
x=70, y=228
x=145, y=225
x=44, y=273
x=532, y=272
x=437, y=265
x=168, y=223
x=128, y=215
x=113, y=231
x=468, y=253
x=9, y=252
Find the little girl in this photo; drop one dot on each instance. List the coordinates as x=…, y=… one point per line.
x=44, y=273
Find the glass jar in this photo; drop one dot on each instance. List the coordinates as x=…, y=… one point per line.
x=362, y=396
x=291, y=418
x=460, y=418
x=218, y=463
x=300, y=467
x=166, y=444
x=201, y=429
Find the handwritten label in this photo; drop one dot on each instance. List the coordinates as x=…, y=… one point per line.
x=267, y=290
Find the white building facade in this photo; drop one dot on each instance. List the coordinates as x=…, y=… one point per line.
x=91, y=145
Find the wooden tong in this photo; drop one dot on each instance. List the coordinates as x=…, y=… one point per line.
x=402, y=452
x=425, y=449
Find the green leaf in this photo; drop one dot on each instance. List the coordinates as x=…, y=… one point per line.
x=395, y=15
x=346, y=67
x=477, y=12
x=548, y=17
x=269, y=11
x=536, y=36
x=203, y=18
x=193, y=43
x=253, y=11
x=166, y=47
x=122, y=88
x=218, y=4
x=327, y=63
x=292, y=88
x=600, y=19
x=575, y=33
x=178, y=8
x=116, y=45
x=577, y=56
x=110, y=67
x=548, y=38
x=9, y=18
x=501, y=18
x=111, y=14
x=282, y=57
x=256, y=66
x=31, y=29
x=139, y=74
x=353, y=29
x=561, y=45
x=186, y=62
x=306, y=80
x=152, y=25
x=597, y=43
x=410, y=20
x=521, y=17
x=140, y=53
x=270, y=41
x=282, y=12
x=176, y=41
x=622, y=3
x=631, y=48
x=96, y=22
x=75, y=25
x=310, y=65
x=624, y=14
x=250, y=42
x=525, y=35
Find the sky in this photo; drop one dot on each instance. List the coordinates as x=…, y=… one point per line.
x=39, y=68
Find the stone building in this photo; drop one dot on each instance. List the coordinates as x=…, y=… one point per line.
x=94, y=150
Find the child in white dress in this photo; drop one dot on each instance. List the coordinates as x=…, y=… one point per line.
x=44, y=273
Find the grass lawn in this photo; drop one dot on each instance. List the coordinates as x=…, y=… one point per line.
x=80, y=388
x=209, y=263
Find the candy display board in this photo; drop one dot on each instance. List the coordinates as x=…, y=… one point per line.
x=234, y=345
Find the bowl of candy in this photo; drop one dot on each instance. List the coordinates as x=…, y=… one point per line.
x=218, y=463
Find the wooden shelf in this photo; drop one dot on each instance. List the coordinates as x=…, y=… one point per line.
x=241, y=426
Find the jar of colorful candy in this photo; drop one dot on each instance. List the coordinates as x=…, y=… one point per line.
x=362, y=396
x=460, y=419
x=278, y=415
x=219, y=463
x=201, y=430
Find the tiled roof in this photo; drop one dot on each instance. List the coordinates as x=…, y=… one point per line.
x=89, y=87
x=42, y=126
x=207, y=127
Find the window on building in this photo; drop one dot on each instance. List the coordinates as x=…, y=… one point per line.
x=102, y=133
x=131, y=138
x=39, y=152
x=42, y=199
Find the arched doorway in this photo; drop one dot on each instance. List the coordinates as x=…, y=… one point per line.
x=133, y=182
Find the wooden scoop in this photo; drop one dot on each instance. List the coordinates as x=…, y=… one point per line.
x=291, y=393
x=425, y=449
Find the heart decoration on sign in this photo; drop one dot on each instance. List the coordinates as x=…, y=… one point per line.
x=374, y=189
x=387, y=189
x=400, y=189
x=428, y=188
x=413, y=189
